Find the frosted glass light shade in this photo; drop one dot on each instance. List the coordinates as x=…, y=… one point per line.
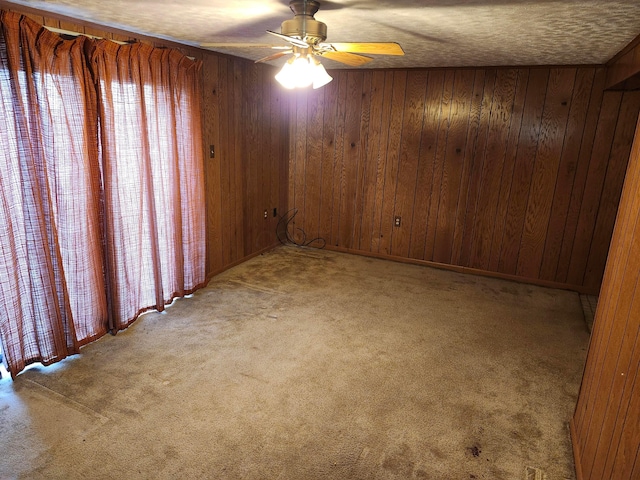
x=302, y=71
x=320, y=76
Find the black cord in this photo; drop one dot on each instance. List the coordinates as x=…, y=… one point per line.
x=285, y=237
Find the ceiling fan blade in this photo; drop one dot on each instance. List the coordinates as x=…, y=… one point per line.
x=388, y=48
x=295, y=41
x=347, y=58
x=244, y=45
x=274, y=56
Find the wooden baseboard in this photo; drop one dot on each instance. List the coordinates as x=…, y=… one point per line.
x=576, y=452
x=473, y=271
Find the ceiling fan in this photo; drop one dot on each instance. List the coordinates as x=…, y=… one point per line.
x=306, y=37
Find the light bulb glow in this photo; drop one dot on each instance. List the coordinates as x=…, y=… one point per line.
x=302, y=71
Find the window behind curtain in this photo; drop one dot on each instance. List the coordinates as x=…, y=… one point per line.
x=52, y=292
x=93, y=221
x=153, y=174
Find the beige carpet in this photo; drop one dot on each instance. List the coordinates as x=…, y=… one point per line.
x=309, y=364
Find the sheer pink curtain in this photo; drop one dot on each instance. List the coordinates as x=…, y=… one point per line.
x=153, y=175
x=95, y=228
x=52, y=292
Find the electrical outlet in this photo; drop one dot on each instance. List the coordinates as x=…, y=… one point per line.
x=266, y=214
x=397, y=221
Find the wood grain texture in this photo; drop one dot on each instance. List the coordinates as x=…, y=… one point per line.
x=567, y=171
x=392, y=149
x=382, y=161
x=247, y=119
x=441, y=118
x=467, y=166
x=606, y=432
x=523, y=171
x=409, y=153
x=426, y=163
x=504, y=170
x=493, y=163
x=612, y=189
x=545, y=173
x=594, y=185
x=249, y=115
x=452, y=172
x=211, y=118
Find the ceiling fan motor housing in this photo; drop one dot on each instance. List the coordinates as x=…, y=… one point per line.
x=303, y=25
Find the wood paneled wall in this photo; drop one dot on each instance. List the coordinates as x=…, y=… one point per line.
x=606, y=426
x=245, y=118
x=517, y=171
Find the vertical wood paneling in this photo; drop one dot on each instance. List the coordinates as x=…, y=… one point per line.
x=236, y=179
x=493, y=158
x=593, y=187
x=224, y=152
x=523, y=171
x=246, y=118
x=329, y=108
x=393, y=154
x=363, y=161
x=338, y=165
x=350, y=158
x=372, y=158
x=605, y=428
x=442, y=120
x=551, y=140
x=582, y=168
x=383, y=163
x=453, y=165
x=408, y=161
x=567, y=171
x=313, y=169
x=477, y=167
x=211, y=118
x=510, y=171
x=426, y=161
x=612, y=189
x=467, y=166
x=299, y=163
x=249, y=169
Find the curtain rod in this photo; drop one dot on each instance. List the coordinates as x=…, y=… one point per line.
x=77, y=34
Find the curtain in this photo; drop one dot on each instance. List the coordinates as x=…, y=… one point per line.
x=154, y=190
x=52, y=292
x=101, y=188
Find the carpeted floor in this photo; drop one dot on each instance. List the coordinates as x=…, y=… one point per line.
x=310, y=364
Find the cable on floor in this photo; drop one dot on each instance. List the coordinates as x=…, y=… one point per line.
x=285, y=236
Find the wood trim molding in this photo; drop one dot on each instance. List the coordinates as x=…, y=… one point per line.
x=576, y=451
x=632, y=44
x=472, y=271
x=623, y=70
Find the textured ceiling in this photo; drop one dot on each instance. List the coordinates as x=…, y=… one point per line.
x=433, y=33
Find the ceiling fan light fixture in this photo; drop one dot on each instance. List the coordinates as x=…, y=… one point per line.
x=320, y=75
x=302, y=71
